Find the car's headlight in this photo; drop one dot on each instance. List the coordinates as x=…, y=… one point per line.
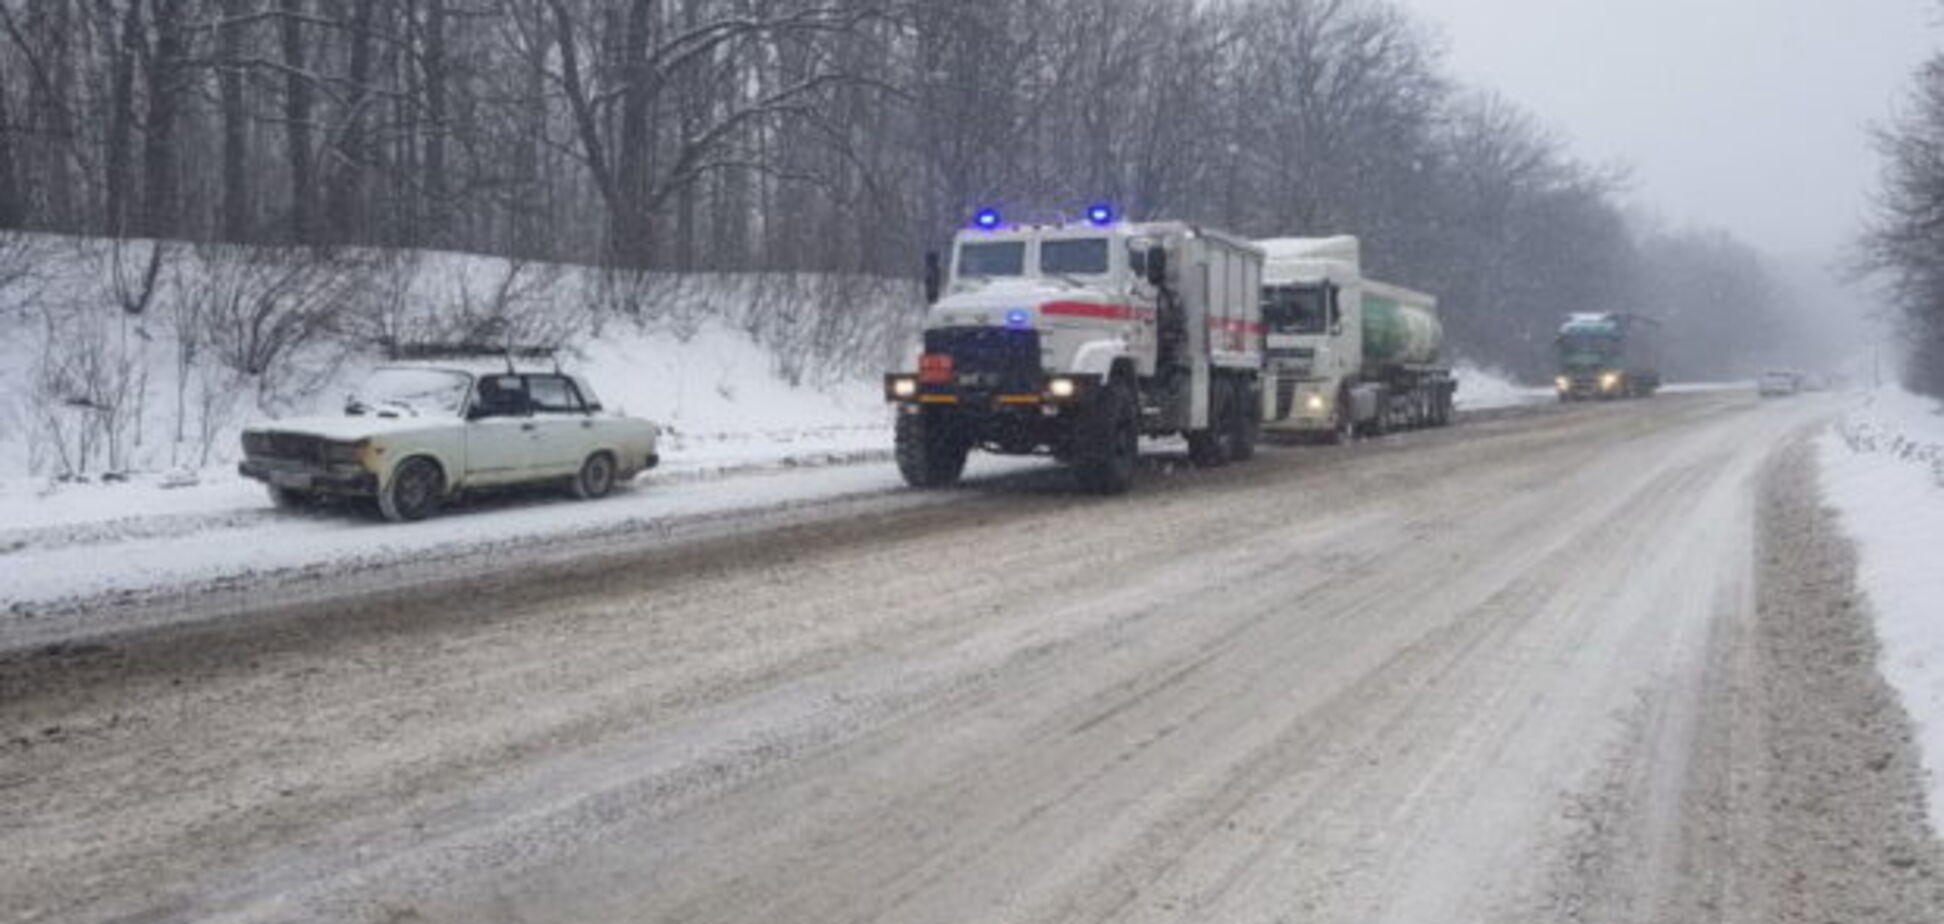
x=345, y=453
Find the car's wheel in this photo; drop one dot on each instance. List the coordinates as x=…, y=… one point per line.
x=1110, y=441
x=287, y=499
x=416, y=488
x=596, y=478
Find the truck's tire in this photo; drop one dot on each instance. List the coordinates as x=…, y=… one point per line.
x=1213, y=447
x=1343, y=427
x=414, y=492
x=1247, y=423
x=931, y=452
x=1109, y=441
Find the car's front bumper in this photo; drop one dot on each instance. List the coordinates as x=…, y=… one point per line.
x=310, y=479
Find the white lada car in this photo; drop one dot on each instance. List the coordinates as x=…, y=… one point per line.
x=415, y=436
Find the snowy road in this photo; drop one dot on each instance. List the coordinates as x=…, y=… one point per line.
x=1592, y=665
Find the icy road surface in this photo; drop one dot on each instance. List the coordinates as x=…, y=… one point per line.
x=1595, y=664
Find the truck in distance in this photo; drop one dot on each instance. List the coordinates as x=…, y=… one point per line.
x=1076, y=338
x=1346, y=354
x=1608, y=356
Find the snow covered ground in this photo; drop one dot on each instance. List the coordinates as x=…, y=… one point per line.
x=1482, y=388
x=1883, y=470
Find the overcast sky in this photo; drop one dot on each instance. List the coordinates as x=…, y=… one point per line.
x=1745, y=114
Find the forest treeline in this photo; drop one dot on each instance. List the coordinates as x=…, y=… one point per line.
x=1905, y=245
x=837, y=136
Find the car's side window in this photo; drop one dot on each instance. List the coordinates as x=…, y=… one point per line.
x=554, y=394
x=501, y=396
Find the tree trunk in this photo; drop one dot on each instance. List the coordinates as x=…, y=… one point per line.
x=165, y=88
x=347, y=187
x=434, y=180
x=297, y=123
x=13, y=211
x=235, y=223
x=121, y=112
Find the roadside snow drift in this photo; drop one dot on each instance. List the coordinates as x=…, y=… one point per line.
x=1883, y=470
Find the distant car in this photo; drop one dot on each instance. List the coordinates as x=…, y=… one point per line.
x=415, y=436
x=1778, y=384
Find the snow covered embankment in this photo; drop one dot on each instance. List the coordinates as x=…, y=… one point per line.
x=1482, y=388
x=1883, y=470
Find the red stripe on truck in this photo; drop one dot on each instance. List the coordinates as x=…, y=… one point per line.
x=1094, y=311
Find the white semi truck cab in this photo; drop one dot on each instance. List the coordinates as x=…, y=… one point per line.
x=1347, y=354
x=1075, y=338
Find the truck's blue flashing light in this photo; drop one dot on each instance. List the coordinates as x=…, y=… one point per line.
x=1019, y=318
x=1102, y=215
x=987, y=219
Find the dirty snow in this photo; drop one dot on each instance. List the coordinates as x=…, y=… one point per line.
x=1883, y=470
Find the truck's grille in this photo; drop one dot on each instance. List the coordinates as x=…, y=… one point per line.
x=994, y=359
x=293, y=447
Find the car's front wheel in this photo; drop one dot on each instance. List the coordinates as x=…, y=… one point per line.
x=596, y=478
x=416, y=488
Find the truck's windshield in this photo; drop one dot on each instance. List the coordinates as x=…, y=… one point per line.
x=1074, y=258
x=1295, y=309
x=997, y=258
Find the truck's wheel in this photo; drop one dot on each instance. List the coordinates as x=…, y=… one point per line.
x=1109, y=441
x=1245, y=424
x=1343, y=427
x=931, y=452
x=1212, y=448
x=414, y=493
x=596, y=477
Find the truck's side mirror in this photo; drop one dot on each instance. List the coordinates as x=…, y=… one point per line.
x=934, y=277
x=1333, y=295
x=1157, y=266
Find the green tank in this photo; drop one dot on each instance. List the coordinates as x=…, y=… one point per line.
x=1399, y=333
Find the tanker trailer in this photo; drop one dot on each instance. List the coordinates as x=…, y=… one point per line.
x=1347, y=354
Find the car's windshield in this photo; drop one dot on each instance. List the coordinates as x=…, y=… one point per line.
x=996, y=258
x=1086, y=257
x=411, y=393
x=1294, y=309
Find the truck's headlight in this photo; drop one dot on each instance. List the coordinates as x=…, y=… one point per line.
x=904, y=388
x=1317, y=403
x=1563, y=383
x=1609, y=382
x=1062, y=388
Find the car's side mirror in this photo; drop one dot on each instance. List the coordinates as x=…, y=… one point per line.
x=934, y=277
x=1157, y=266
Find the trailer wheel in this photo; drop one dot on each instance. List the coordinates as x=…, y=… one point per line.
x=931, y=452
x=1109, y=440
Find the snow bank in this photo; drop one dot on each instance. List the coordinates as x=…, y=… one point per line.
x=1883, y=470
x=1484, y=388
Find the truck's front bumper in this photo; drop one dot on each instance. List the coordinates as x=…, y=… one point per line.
x=1051, y=394
x=310, y=479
